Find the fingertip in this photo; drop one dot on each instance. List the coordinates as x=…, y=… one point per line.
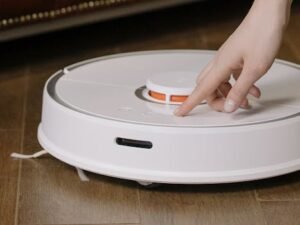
x=230, y=106
x=183, y=109
x=177, y=112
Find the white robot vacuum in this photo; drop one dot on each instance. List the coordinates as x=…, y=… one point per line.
x=114, y=116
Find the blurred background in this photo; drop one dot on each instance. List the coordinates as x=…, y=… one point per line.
x=82, y=29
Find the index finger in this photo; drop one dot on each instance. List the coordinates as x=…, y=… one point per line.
x=204, y=88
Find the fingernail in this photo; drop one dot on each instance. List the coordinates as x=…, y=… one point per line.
x=229, y=106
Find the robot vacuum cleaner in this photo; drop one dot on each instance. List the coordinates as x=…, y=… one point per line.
x=114, y=116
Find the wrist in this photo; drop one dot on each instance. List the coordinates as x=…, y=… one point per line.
x=279, y=8
x=279, y=2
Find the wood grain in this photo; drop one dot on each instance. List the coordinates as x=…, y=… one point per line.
x=9, y=142
x=202, y=204
x=52, y=193
x=282, y=213
x=12, y=93
x=8, y=188
x=282, y=188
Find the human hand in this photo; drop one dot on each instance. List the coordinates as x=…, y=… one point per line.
x=246, y=55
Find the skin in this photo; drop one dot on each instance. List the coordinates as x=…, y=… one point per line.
x=246, y=56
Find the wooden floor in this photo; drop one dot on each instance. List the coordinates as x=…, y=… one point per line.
x=47, y=191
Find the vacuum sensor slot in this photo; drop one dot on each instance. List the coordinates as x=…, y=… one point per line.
x=134, y=143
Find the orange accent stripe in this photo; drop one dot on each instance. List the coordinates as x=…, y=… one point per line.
x=162, y=97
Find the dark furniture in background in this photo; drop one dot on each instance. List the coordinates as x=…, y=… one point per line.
x=29, y=17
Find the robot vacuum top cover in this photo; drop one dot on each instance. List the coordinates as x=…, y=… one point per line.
x=114, y=116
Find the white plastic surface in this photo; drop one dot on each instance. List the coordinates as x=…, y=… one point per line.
x=103, y=89
x=95, y=102
x=180, y=83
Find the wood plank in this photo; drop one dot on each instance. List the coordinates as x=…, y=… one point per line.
x=12, y=93
x=12, y=96
x=281, y=188
x=13, y=68
x=9, y=142
x=282, y=213
x=8, y=189
x=51, y=192
x=36, y=83
x=202, y=204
